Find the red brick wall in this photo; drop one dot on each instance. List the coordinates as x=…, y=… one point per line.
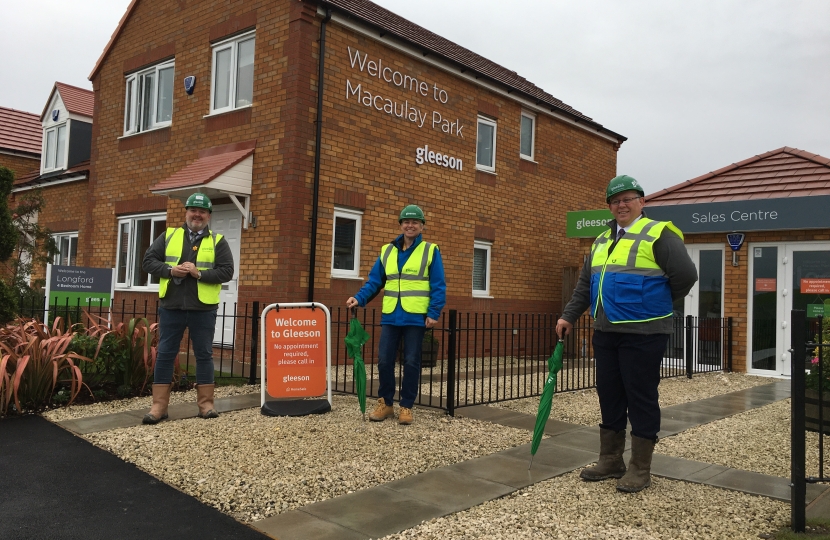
x=19, y=164
x=367, y=156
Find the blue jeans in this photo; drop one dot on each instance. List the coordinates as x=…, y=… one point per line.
x=390, y=338
x=172, y=322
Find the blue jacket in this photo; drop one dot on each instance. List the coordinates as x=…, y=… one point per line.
x=399, y=317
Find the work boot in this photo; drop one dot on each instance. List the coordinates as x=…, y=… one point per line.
x=405, y=416
x=610, y=463
x=161, y=399
x=382, y=411
x=204, y=398
x=638, y=476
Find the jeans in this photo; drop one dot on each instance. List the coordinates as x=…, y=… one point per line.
x=390, y=337
x=172, y=322
x=628, y=373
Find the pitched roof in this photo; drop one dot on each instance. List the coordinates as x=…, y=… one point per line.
x=785, y=172
x=78, y=101
x=20, y=131
x=203, y=170
x=34, y=178
x=391, y=23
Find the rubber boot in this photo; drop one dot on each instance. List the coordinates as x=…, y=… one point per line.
x=610, y=463
x=161, y=399
x=638, y=476
x=204, y=398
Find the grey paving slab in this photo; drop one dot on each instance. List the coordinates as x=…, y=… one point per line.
x=488, y=414
x=562, y=458
x=449, y=489
x=586, y=438
x=773, y=487
x=299, y=525
x=721, y=409
x=375, y=512
x=688, y=416
x=703, y=475
x=677, y=468
x=510, y=470
x=670, y=426
x=93, y=424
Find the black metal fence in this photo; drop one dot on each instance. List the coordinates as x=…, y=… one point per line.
x=810, y=393
x=472, y=358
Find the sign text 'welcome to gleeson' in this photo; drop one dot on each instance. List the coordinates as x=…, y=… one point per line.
x=296, y=350
x=403, y=110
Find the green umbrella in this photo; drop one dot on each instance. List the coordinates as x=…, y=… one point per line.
x=355, y=339
x=554, y=365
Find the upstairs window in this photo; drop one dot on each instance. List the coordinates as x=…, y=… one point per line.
x=486, y=145
x=345, y=258
x=528, y=135
x=135, y=234
x=481, y=268
x=55, y=155
x=149, y=100
x=232, y=83
x=67, y=244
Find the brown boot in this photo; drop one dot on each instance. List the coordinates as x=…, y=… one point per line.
x=405, y=416
x=204, y=398
x=638, y=476
x=610, y=463
x=161, y=398
x=382, y=411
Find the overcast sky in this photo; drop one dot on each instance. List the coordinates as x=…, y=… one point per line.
x=695, y=85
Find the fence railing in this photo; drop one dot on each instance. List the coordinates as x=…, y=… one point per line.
x=472, y=358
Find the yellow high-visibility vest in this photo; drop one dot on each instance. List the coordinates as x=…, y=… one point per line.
x=205, y=257
x=628, y=281
x=410, y=284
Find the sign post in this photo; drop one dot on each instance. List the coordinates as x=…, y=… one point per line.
x=295, y=359
x=78, y=287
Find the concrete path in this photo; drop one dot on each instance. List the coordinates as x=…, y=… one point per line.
x=402, y=504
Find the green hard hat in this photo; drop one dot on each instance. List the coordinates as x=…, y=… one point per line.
x=621, y=183
x=412, y=212
x=199, y=200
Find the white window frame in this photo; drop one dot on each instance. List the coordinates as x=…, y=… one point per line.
x=532, y=117
x=488, y=247
x=489, y=122
x=53, y=150
x=134, y=98
x=58, y=238
x=357, y=216
x=231, y=44
x=126, y=283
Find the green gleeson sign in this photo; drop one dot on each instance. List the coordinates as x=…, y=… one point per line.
x=588, y=223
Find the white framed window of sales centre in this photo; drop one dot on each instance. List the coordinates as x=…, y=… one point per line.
x=527, y=137
x=67, y=244
x=135, y=234
x=148, y=103
x=345, y=250
x=55, y=143
x=481, y=268
x=486, y=145
x=232, y=77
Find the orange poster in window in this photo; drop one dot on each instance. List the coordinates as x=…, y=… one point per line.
x=295, y=341
x=815, y=286
x=765, y=285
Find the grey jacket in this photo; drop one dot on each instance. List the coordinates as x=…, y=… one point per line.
x=182, y=293
x=671, y=255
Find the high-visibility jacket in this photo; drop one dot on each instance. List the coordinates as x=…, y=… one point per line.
x=628, y=282
x=205, y=257
x=410, y=284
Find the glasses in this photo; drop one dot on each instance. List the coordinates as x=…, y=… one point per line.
x=626, y=201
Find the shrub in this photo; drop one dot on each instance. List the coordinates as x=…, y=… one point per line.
x=125, y=351
x=34, y=361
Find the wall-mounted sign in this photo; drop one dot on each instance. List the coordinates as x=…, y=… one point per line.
x=755, y=215
x=765, y=285
x=815, y=286
x=588, y=223
x=189, y=84
x=425, y=155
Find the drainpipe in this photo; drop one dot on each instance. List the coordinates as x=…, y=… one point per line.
x=321, y=67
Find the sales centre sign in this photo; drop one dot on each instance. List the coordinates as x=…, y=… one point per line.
x=296, y=346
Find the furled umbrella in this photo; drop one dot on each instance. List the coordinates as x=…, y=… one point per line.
x=355, y=339
x=554, y=366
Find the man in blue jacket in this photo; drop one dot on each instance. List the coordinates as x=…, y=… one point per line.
x=411, y=274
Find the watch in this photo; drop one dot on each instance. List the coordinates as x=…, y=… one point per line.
x=199, y=276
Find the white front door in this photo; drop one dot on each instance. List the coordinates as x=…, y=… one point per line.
x=227, y=221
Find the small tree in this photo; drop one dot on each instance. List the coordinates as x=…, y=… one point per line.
x=24, y=245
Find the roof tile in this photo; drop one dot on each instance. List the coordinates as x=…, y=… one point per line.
x=20, y=131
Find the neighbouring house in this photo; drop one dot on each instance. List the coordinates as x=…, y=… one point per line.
x=20, y=135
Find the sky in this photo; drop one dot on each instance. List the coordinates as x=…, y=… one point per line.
x=694, y=85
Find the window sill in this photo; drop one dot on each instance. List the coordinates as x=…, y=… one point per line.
x=137, y=289
x=350, y=278
x=486, y=171
x=227, y=111
x=528, y=158
x=481, y=295
x=131, y=135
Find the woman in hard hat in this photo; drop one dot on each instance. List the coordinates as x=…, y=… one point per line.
x=411, y=274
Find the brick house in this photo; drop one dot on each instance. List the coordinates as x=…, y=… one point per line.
x=222, y=98
x=20, y=134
